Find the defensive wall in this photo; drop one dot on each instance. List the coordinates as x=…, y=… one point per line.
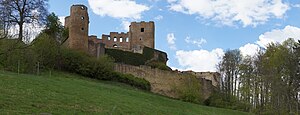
x=164, y=82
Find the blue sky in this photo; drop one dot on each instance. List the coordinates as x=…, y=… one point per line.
x=196, y=33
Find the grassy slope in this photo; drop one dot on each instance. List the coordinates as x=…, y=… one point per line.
x=64, y=93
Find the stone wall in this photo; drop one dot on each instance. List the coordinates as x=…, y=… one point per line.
x=116, y=40
x=212, y=76
x=95, y=47
x=164, y=82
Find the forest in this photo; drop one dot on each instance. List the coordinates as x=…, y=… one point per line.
x=266, y=83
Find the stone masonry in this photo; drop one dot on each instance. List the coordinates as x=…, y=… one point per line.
x=78, y=25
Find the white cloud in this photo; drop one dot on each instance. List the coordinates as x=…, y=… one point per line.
x=159, y=17
x=279, y=35
x=118, y=8
x=62, y=20
x=228, y=12
x=196, y=42
x=171, y=41
x=249, y=49
x=125, y=25
x=199, y=60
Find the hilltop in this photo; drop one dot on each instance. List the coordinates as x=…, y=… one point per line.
x=64, y=93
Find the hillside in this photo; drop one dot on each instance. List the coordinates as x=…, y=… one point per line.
x=63, y=93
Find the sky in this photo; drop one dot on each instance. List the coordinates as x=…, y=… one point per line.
x=196, y=33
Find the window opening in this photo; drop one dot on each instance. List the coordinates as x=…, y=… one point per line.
x=121, y=39
x=127, y=39
x=115, y=39
x=142, y=29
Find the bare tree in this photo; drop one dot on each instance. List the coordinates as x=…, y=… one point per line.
x=20, y=12
x=3, y=25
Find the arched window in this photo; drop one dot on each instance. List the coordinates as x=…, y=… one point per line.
x=115, y=39
x=82, y=18
x=115, y=45
x=108, y=38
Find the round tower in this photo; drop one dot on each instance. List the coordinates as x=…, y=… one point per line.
x=78, y=25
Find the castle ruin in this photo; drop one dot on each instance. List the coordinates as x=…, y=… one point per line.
x=140, y=35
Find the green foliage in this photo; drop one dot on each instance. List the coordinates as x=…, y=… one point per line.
x=131, y=80
x=47, y=50
x=55, y=29
x=126, y=57
x=190, y=90
x=101, y=68
x=218, y=99
x=148, y=53
x=159, y=65
x=137, y=59
x=267, y=83
x=16, y=56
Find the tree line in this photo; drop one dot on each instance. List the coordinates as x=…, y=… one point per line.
x=267, y=83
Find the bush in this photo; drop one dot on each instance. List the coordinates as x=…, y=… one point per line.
x=159, y=65
x=220, y=100
x=133, y=81
x=137, y=59
x=126, y=57
x=17, y=57
x=101, y=69
x=47, y=50
x=190, y=90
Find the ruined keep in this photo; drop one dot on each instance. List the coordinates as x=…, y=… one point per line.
x=78, y=25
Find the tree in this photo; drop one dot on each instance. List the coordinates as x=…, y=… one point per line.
x=3, y=25
x=229, y=69
x=19, y=12
x=55, y=29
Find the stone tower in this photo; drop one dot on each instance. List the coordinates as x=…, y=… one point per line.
x=78, y=25
x=141, y=34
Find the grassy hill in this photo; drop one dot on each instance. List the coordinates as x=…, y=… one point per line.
x=63, y=93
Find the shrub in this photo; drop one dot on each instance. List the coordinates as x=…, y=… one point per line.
x=137, y=59
x=126, y=57
x=47, y=50
x=133, y=81
x=102, y=69
x=218, y=99
x=159, y=65
x=190, y=90
x=17, y=57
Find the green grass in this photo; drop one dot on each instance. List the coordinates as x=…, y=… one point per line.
x=64, y=93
